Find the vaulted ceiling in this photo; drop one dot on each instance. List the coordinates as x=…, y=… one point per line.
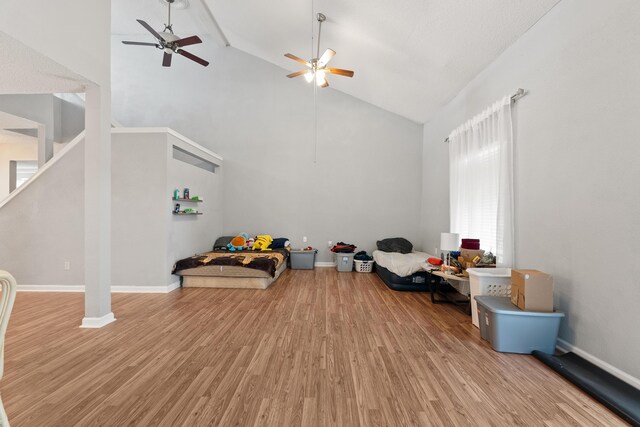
x=24, y=70
x=410, y=57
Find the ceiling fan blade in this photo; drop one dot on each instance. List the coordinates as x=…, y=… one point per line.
x=300, y=60
x=166, y=60
x=192, y=57
x=188, y=41
x=339, y=71
x=150, y=29
x=326, y=57
x=299, y=73
x=141, y=43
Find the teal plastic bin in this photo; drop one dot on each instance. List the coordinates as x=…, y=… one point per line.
x=511, y=330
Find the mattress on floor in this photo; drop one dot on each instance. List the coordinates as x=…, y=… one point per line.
x=421, y=281
x=239, y=278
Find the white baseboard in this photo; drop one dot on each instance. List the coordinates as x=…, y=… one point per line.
x=50, y=288
x=565, y=346
x=114, y=289
x=145, y=289
x=325, y=264
x=97, y=322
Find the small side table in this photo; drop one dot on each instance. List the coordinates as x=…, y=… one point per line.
x=464, y=303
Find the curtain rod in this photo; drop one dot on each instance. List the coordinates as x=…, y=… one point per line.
x=519, y=94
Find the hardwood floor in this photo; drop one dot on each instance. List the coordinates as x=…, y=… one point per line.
x=316, y=348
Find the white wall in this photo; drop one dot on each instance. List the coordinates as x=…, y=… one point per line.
x=147, y=239
x=576, y=166
x=139, y=238
x=42, y=227
x=365, y=184
x=189, y=235
x=76, y=35
x=40, y=108
x=63, y=115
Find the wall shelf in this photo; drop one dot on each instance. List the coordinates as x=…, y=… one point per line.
x=183, y=200
x=187, y=200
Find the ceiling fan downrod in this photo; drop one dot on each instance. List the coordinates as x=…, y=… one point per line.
x=167, y=27
x=321, y=18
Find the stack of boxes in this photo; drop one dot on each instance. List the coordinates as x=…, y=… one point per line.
x=524, y=322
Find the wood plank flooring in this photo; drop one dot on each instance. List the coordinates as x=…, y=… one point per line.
x=316, y=348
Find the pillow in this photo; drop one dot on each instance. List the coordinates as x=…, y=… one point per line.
x=222, y=242
x=279, y=243
x=395, y=244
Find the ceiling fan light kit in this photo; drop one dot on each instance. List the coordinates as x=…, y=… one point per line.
x=176, y=4
x=317, y=67
x=167, y=41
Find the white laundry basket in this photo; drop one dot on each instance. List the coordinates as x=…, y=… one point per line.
x=488, y=281
x=363, y=266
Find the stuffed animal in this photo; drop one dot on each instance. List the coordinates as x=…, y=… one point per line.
x=249, y=243
x=238, y=242
x=262, y=242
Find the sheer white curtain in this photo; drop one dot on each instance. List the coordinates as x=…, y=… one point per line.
x=481, y=181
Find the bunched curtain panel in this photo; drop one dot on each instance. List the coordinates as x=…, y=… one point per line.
x=481, y=181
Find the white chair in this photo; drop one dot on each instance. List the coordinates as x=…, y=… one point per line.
x=7, y=298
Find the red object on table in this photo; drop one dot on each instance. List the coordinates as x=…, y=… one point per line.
x=434, y=261
x=471, y=244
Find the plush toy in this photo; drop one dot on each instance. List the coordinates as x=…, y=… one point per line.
x=249, y=243
x=262, y=242
x=238, y=242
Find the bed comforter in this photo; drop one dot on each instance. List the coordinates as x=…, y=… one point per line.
x=402, y=265
x=267, y=261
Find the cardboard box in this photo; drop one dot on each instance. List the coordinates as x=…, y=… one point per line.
x=469, y=255
x=532, y=290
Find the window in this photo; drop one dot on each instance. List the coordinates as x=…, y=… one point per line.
x=20, y=171
x=481, y=181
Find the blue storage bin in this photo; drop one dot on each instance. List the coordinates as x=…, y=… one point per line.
x=302, y=260
x=511, y=330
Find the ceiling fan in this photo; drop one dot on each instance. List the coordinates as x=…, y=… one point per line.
x=169, y=42
x=317, y=67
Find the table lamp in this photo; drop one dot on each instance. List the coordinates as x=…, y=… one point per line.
x=449, y=242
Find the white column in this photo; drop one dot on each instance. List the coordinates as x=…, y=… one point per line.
x=45, y=146
x=97, y=208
